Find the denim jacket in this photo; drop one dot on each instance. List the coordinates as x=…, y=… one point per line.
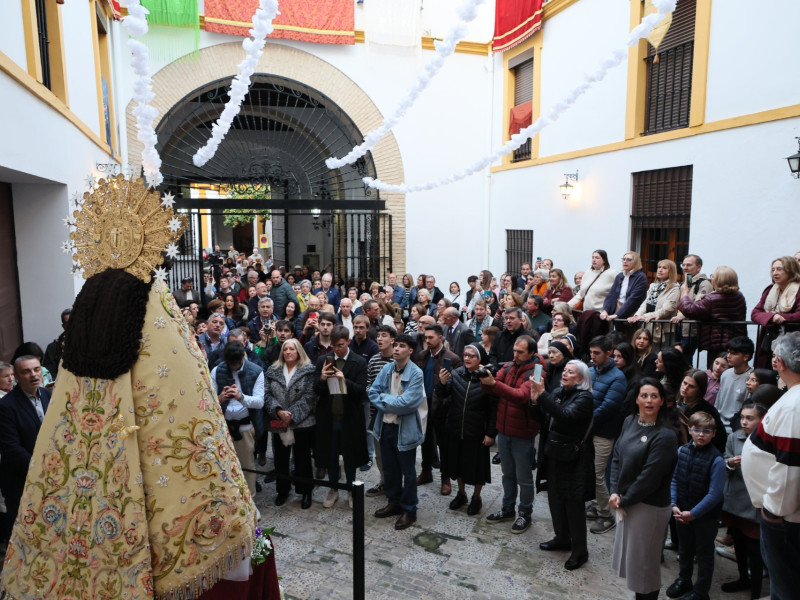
x=407, y=405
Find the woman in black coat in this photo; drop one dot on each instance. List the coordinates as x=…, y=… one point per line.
x=566, y=417
x=471, y=426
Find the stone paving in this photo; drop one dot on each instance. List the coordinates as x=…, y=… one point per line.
x=444, y=555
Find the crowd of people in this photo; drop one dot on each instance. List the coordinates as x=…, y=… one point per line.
x=630, y=437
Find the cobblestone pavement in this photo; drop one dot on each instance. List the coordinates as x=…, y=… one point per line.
x=444, y=555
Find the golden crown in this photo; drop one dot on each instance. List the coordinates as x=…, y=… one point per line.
x=122, y=224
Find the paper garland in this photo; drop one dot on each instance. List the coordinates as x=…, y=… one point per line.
x=254, y=47
x=467, y=12
x=136, y=25
x=639, y=32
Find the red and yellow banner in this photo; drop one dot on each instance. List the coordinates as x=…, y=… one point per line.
x=514, y=22
x=320, y=21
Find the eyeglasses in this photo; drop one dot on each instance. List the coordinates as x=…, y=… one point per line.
x=627, y=258
x=703, y=431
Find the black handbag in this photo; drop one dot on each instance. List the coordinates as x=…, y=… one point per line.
x=563, y=447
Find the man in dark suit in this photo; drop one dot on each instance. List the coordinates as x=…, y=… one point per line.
x=341, y=426
x=21, y=414
x=456, y=334
x=432, y=360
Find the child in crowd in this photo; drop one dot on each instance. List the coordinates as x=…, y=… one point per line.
x=738, y=512
x=697, y=494
x=759, y=377
x=714, y=373
x=732, y=388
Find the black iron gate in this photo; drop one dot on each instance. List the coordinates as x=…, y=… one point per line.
x=189, y=262
x=361, y=244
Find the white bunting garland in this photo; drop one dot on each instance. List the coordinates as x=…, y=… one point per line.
x=254, y=47
x=641, y=31
x=136, y=25
x=467, y=12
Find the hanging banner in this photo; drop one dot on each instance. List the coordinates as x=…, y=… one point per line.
x=320, y=22
x=514, y=22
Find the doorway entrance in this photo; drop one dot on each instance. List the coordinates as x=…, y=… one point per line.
x=273, y=158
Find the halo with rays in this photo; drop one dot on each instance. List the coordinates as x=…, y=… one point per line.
x=122, y=224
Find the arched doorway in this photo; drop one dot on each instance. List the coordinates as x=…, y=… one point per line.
x=180, y=78
x=273, y=159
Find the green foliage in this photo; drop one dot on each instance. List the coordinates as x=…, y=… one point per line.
x=243, y=216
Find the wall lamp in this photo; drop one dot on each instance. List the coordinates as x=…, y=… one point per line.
x=566, y=188
x=794, y=161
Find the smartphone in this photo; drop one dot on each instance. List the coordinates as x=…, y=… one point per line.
x=537, y=373
x=313, y=315
x=329, y=361
x=538, y=259
x=447, y=365
x=688, y=280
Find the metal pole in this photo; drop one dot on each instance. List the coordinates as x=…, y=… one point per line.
x=358, y=540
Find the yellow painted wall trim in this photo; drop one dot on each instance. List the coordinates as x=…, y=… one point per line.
x=637, y=78
x=767, y=116
x=532, y=43
x=702, y=42
x=58, y=62
x=29, y=24
x=552, y=8
x=101, y=117
x=461, y=47
x=13, y=70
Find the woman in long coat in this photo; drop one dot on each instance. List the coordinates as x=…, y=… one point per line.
x=566, y=416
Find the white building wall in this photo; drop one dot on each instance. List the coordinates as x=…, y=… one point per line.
x=741, y=194
x=12, y=40
x=81, y=82
x=752, y=61
x=574, y=44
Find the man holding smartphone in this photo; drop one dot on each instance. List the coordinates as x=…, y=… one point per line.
x=435, y=358
x=516, y=431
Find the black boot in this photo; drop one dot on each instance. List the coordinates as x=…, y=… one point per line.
x=648, y=596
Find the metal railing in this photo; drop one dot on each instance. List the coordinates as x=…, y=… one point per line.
x=357, y=490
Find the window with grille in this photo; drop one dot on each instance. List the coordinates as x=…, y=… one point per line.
x=669, y=73
x=519, y=249
x=662, y=206
x=44, y=41
x=522, y=68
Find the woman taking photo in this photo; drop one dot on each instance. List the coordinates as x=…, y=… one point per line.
x=662, y=297
x=471, y=417
x=566, y=416
x=483, y=289
x=558, y=355
x=725, y=303
x=596, y=282
x=641, y=472
x=628, y=290
x=289, y=398
x=645, y=356
x=778, y=311
x=557, y=291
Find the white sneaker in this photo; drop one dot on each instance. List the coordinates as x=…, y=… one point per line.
x=331, y=499
x=350, y=499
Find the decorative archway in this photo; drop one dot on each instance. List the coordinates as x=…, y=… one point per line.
x=219, y=64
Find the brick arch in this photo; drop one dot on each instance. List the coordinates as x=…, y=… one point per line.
x=179, y=78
